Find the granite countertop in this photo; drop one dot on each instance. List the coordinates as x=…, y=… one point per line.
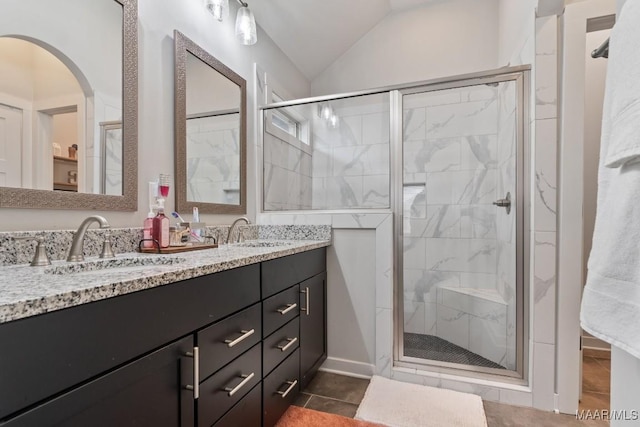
x=27, y=291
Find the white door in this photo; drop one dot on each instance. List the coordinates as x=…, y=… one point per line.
x=10, y=146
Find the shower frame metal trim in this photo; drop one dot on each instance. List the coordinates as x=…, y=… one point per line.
x=521, y=76
x=399, y=87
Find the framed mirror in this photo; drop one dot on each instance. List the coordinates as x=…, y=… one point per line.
x=211, y=132
x=69, y=104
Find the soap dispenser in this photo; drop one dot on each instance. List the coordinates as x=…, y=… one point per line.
x=147, y=230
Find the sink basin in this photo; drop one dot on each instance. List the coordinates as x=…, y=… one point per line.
x=261, y=244
x=126, y=264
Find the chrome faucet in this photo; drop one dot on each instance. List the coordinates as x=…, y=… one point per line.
x=77, y=245
x=233, y=225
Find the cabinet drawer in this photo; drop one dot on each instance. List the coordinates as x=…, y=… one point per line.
x=280, y=273
x=280, y=344
x=280, y=309
x=226, y=387
x=246, y=413
x=280, y=389
x=222, y=342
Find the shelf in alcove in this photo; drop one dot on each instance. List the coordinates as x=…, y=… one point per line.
x=65, y=186
x=65, y=159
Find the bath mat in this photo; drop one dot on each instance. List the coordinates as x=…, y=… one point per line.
x=398, y=404
x=296, y=416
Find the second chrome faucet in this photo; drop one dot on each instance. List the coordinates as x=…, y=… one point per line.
x=233, y=226
x=77, y=245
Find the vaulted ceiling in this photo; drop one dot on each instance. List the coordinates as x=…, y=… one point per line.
x=314, y=33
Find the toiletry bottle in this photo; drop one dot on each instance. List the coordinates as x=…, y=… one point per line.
x=161, y=228
x=147, y=231
x=196, y=219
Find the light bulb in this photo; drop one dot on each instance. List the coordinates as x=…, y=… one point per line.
x=333, y=121
x=246, y=27
x=326, y=112
x=218, y=8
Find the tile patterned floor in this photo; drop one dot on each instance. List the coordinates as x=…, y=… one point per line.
x=341, y=395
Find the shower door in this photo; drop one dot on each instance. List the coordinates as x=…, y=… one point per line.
x=460, y=239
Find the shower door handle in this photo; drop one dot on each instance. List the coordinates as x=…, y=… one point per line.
x=504, y=203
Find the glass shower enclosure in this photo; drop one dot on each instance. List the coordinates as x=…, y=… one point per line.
x=461, y=239
x=447, y=158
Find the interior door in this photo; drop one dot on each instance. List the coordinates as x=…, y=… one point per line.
x=10, y=146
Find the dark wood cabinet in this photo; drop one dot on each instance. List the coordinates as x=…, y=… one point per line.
x=313, y=326
x=148, y=392
x=242, y=341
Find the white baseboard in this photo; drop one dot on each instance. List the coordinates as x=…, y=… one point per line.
x=350, y=368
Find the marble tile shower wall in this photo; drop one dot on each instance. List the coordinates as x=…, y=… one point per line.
x=351, y=162
x=287, y=175
x=213, y=150
x=453, y=171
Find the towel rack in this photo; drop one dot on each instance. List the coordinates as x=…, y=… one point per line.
x=602, y=51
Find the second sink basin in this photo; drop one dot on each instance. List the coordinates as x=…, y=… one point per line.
x=112, y=263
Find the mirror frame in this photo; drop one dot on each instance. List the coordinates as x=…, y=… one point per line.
x=49, y=199
x=183, y=46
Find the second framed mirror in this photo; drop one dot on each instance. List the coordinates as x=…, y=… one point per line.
x=211, y=132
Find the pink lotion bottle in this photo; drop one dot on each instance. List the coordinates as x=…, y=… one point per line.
x=161, y=228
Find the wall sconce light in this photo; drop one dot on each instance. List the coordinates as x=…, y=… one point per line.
x=218, y=8
x=246, y=25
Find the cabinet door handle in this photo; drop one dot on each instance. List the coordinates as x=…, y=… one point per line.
x=292, y=384
x=196, y=372
x=291, y=342
x=247, y=378
x=287, y=308
x=307, y=293
x=245, y=335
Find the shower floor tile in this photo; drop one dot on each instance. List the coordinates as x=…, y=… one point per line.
x=430, y=347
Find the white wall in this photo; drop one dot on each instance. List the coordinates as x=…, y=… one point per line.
x=570, y=197
x=432, y=41
x=515, y=25
x=157, y=19
x=594, y=78
x=351, y=299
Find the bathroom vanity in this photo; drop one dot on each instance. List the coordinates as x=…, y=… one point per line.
x=225, y=341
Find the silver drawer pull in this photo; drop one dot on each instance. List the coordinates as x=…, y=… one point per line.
x=196, y=372
x=247, y=378
x=307, y=297
x=288, y=309
x=291, y=342
x=292, y=384
x=245, y=335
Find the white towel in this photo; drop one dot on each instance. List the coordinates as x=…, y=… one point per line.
x=624, y=88
x=611, y=299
